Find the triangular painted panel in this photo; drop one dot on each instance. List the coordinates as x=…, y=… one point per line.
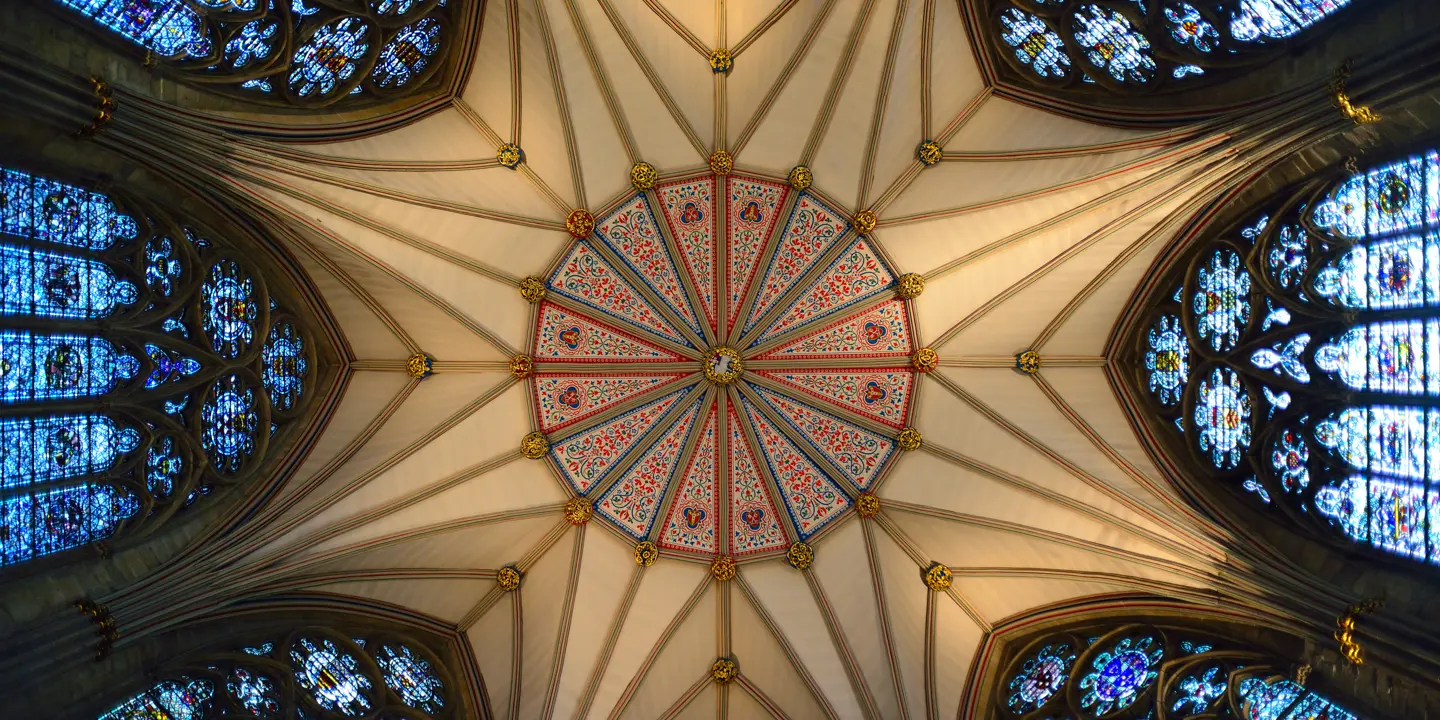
x=694, y=512
x=811, y=497
x=565, y=336
x=584, y=458
x=859, y=452
x=632, y=233
x=813, y=227
x=565, y=399
x=855, y=276
x=879, y=393
x=586, y=277
x=754, y=526
x=634, y=500
x=754, y=206
x=878, y=332
x=689, y=206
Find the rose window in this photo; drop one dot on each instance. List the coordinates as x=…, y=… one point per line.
x=722, y=365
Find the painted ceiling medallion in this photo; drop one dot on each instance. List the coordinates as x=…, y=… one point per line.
x=804, y=350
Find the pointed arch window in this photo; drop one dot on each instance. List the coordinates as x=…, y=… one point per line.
x=1297, y=355
x=142, y=366
x=311, y=674
x=1144, y=671
x=302, y=52
x=1130, y=46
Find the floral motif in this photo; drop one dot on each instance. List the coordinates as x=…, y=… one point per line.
x=689, y=207
x=753, y=524
x=631, y=232
x=585, y=458
x=563, y=400
x=564, y=336
x=882, y=331
x=635, y=498
x=584, y=276
x=754, y=206
x=812, y=228
x=810, y=496
x=853, y=449
x=691, y=522
x=882, y=393
x=851, y=278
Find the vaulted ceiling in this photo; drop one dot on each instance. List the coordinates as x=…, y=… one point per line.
x=1032, y=233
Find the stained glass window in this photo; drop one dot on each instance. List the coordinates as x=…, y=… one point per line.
x=1126, y=47
x=83, y=471
x=1343, y=405
x=306, y=53
x=323, y=674
x=1136, y=670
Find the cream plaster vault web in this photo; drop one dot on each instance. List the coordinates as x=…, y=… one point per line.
x=1029, y=230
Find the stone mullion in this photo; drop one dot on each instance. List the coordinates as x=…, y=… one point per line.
x=644, y=335
x=772, y=245
x=788, y=298
x=633, y=277
x=810, y=326
x=692, y=441
x=825, y=464
x=767, y=478
x=841, y=412
x=681, y=266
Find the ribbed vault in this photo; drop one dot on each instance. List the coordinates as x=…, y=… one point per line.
x=1031, y=233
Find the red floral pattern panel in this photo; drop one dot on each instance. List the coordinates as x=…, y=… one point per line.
x=683, y=459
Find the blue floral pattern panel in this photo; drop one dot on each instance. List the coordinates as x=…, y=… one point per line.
x=33, y=524
x=41, y=449
x=1112, y=45
x=36, y=367
x=323, y=675
x=169, y=28
x=1118, y=674
x=1034, y=44
x=229, y=308
x=309, y=54
x=47, y=284
x=229, y=421
x=284, y=366
x=1342, y=400
x=332, y=676
x=38, y=208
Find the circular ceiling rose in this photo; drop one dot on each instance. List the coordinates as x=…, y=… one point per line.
x=722, y=365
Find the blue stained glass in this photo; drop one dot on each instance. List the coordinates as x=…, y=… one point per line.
x=44, y=284
x=1222, y=300
x=284, y=365
x=170, y=366
x=407, y=54
x=1040, y=677
x=34, y=450
x=1198, y=691
x=1262, y=20
x=186, y=699
x=1391, y=198
x=1120, y=673
x=329, y=58
x=1256, y=229
x=1035, y=44
x=163, y=467
x=1267, y=701
x=176, y=325
x=1112, y=44
x=38, y=524
x=48, y=367
x=254, y=692
x=42, y=209
x=228, y=423
x=252, y=45
x=162, y=266
x=1290, y=458
x=1183, y=71
x=1167, y=359
x=168, y=27
x=1343, y=210
x=1285, y=358
x=1190, y=29
x=411, y=677
x=1278, y=401
x=263, y=650
x=1397, y=517
x=393, y=7
x=331, y=676
x=1222, y=418
x=1254, y=486
x=228, y=308
x=1289, y=257
x=1345, y=357
x=1275, y=316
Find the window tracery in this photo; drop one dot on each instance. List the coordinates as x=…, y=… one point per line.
x=313, y=674
x=1147, y=671
x=304, y=52
x=1298, y=355
x=1128, y=46
x=132, y=382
